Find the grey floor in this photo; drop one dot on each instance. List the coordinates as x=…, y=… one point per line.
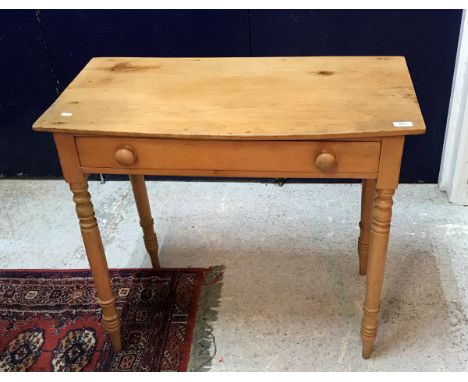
x=292, y=296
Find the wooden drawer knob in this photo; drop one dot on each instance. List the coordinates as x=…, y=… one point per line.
x=125, y=155
x=325, y=161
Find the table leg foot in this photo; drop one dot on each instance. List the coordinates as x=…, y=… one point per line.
x=367, y=348
x=111, y=322
x=146, y=221
x=368, y=331
x=151, y=243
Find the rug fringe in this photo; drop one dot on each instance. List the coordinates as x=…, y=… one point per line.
x=204, y=343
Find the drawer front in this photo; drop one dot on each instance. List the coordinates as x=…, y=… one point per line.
x=305, y=158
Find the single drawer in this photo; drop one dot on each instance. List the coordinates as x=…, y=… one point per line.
x=244, y=158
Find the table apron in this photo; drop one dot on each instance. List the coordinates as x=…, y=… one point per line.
x=229, y=158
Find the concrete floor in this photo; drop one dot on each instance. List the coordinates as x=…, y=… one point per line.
x=292, y=296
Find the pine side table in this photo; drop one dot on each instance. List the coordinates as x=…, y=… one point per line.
x=281, y=117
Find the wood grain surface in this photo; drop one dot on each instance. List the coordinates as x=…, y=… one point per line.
x=238, y=98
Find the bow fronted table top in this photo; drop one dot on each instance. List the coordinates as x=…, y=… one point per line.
x=245, y=98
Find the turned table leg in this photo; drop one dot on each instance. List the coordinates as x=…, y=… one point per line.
x=387, y=182
x=375, y=273
x=97, y=260
x=367, y=203
x=91, y=236
x=146, y=221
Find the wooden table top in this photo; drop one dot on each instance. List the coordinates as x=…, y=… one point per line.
x=273, y=98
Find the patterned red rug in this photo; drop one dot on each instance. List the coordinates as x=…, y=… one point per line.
x=49, y=320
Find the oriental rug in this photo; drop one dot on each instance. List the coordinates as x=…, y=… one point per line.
x=50, y=321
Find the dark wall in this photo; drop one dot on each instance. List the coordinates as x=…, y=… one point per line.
x=27, y=87
x=41, y=52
